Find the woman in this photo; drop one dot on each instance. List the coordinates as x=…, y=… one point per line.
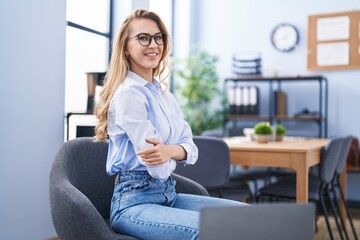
x=147, y=137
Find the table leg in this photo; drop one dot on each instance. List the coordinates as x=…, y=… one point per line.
x=302, y=179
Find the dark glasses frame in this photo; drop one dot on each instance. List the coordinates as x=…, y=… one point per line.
x=150, y=38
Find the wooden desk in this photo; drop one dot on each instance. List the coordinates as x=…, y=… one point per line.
x=297, y=154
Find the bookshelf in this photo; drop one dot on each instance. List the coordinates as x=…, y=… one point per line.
x=272, y=116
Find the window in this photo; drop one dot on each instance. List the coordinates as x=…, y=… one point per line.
x=164, y=10
x=88, y=37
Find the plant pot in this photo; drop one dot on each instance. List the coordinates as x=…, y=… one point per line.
x=279, y=138
x=263, y=138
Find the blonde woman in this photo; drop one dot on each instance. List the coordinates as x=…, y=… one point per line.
x=147, y=137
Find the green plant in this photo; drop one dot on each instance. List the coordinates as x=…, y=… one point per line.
x=280, y=130
x=263, y=128
x=201, y=102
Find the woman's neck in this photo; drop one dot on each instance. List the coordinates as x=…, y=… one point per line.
x=147, y=75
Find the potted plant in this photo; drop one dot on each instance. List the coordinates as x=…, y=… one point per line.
x=280, y=132
x=263, y=132
x=196, y=88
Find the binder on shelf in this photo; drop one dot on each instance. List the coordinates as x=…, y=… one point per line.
x=245, y=100
x=231, y=96
x=280, y=103
x=253, y=100
x=239, y=100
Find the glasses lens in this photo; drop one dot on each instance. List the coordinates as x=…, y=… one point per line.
x=159, y=39
x=144, y=39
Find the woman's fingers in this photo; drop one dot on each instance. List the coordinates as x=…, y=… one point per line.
x=152, y=141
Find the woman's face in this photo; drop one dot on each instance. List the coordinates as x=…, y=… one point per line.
x=143, y=59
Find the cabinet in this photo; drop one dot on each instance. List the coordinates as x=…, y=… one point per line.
x=273, y=85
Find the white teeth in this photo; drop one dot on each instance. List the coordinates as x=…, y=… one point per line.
x=151, y=54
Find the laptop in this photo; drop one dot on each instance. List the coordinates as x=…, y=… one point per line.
x=260, y=221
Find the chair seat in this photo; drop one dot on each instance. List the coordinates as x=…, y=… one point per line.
x=236, y=190
x=286, y=188
x=251, y=175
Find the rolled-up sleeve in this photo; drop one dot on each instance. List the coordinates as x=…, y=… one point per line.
x=184, y=134
x=186, y=141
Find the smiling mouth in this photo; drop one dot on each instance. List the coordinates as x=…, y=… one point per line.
x=151, y=54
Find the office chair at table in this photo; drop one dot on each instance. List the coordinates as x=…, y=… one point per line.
x=319, y=186
x=336, y=185
x=80, y=191
x=212, y=168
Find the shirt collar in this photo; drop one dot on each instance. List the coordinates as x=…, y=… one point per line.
x=142, y=81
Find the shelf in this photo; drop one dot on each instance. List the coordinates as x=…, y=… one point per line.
x=275, y=117
x=274, y=84
x=274, y=78
x=242, y=116
x=298, y=118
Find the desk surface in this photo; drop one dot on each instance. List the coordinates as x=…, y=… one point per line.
x=289, y=144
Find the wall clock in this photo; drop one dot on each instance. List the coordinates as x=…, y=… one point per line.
x=285, y=37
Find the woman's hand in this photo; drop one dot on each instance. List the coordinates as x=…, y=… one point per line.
x=156, y=155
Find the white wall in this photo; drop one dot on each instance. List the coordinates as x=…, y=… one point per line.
x=229, y=26
x=32, y=55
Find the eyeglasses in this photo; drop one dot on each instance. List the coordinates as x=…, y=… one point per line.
x=145, y=38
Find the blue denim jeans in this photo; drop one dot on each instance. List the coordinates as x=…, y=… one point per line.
x=147, y=208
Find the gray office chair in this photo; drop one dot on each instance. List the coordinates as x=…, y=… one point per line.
x=212, y=169
x=80, y=191
x=336, y=187
x=319, y=186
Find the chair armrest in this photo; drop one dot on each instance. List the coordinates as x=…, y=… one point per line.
x=186, y=185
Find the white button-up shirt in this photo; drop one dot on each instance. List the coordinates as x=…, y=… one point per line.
x=139, y=110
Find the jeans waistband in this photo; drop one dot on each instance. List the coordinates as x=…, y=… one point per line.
x=132, y=175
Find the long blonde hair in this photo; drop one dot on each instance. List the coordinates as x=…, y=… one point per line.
x=119, y=65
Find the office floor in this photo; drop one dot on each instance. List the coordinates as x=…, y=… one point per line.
x=323, y=234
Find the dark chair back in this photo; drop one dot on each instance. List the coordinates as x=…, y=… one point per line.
x=343, y=154
x=82, y=162
x=212, y=168
x=80, y=191
x=329, y=159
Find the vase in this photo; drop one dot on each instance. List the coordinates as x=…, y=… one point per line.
x=279, y=138
x=262, y=138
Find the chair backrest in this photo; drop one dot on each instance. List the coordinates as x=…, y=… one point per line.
x=212, y=168
x=261, y=221
x=82, y=162
x=80, y=191
x=329, y=159
x=343, y=154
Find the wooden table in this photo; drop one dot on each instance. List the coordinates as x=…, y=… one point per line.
x=298, y=154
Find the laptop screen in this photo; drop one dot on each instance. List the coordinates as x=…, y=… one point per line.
x=259, y=221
